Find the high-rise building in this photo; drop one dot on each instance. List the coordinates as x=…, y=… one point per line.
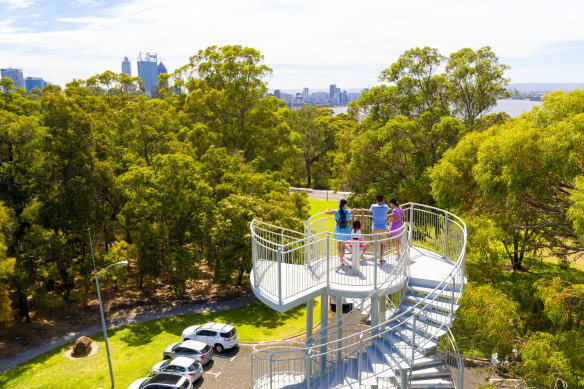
x=162, y=68
x=148, y=71
x=15, y=75
x=278, y=93
x=127, y=66
x=305, y=95
x=34, y=82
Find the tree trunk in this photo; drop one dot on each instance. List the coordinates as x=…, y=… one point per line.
x=141, y=279
x=308, y=174
x=22, y=304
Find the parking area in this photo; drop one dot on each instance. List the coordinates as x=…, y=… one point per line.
x=230, y=369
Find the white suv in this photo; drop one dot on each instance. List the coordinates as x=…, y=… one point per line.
x=218, y=335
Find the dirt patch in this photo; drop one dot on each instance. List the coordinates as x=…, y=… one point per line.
x=47, y=322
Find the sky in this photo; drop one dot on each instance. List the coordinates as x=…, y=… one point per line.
x=307, y=43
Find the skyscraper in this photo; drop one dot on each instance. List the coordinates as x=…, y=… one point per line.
x=127, y=66
x=148, y=71
x=15, y=75
x=33, y=82
x=277, y=93
x=305, y=95
x=162, y=68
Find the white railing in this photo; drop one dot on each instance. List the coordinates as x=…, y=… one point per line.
x=288, y=263
x=334, y=348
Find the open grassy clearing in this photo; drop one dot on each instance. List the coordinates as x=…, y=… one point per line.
x=135, y=348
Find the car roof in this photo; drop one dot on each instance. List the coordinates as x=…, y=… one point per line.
x=181, y=361
x=218, y=326
x=194, y=344
x=168, y=379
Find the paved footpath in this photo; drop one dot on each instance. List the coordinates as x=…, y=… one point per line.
x=17, y=359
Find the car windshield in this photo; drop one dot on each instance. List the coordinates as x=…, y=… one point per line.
x=228, y=334
x=194, y=367
x=185, y=384
x=165, y=363
x=176, y=346
x=206, y=349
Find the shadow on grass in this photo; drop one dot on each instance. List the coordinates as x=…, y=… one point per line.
x=142, y=333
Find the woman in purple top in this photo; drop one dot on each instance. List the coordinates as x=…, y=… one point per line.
x=396, y=221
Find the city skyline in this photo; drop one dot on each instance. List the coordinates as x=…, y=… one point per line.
x=305, y=43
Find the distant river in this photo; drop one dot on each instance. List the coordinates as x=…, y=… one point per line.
x=512, y=107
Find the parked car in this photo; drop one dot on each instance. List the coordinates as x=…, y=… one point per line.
x=162, y=381
x=221, y=336
x=347, y=305
x=183, y=366
x=198, y=351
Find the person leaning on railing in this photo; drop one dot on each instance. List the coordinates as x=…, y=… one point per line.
x=342, y=229
x=379, y=216
x=356, y=232
x=396, y=222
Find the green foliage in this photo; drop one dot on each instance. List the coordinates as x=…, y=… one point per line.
x=6, y=269
x=407, y=127
x=489, y=318
x=546, y=361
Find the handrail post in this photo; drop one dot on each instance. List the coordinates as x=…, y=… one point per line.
x=411, y=224
x=328, y=258
x=360, y=358
x=452, y=298
x=375, y=264
x=445, y=234
x=413, y=340
x=271, y=375
x=280, y=274
x=307, y=368
x=252, y=371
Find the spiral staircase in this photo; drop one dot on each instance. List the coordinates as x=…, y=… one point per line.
x=397, y=334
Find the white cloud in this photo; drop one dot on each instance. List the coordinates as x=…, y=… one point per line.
x=323, y=33
x=13, y=4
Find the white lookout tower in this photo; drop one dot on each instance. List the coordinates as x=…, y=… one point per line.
x=395, y=331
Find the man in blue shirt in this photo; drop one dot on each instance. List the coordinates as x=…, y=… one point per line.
x=379, y=216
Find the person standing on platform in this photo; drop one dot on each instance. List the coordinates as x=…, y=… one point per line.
x=342, y=228
x=396, y=222
x=379, y=216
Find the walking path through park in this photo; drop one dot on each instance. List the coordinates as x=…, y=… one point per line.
x=17, y=359
x=322, y=194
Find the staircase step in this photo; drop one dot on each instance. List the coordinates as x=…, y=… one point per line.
x=378, y=363
x=427, y=314
x=431, y=372
x=422, y=341
x=428, y=383
x=395, y=360
x=445, y=293
x=428, y=328
x=429, y=360
x=404, y=349
x=437, y=303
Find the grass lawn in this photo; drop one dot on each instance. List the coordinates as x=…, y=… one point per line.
x=318, y=206
x=136, y=348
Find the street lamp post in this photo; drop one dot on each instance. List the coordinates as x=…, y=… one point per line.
x=96, y=273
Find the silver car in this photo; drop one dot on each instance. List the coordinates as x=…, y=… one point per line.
x=198, y=351
x=162, y=381
x=183, y=366
x=218, y=335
